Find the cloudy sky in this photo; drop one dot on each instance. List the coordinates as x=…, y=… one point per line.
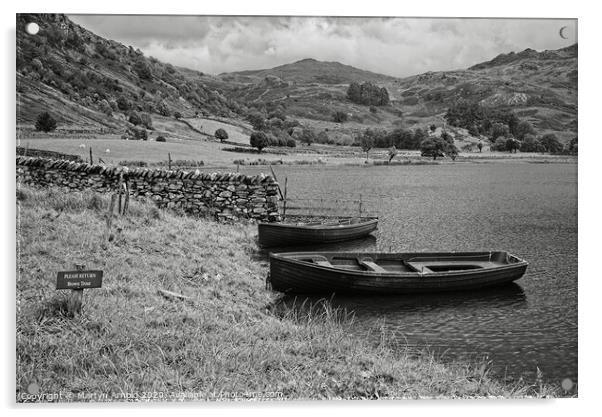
x=393, y=46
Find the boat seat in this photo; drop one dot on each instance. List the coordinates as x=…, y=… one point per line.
x=369, y=264
x=418, y=267
x=320, y=260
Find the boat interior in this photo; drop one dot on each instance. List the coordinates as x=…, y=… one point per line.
x=423, y=265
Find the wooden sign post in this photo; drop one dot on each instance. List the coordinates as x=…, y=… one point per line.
x=77, y=281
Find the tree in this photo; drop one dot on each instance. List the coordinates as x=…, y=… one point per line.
x=146, y=121
x=163, y=109
x=308, y=136
x=323, y=137
x=531, y=144
x=259, y=140
x=550, y=143
x=105, y=107
x=221, y=134
x=439, y=146
x=367, y=142
x=572, y=146
x=45, y=122
x=339, y=117
x=523, y=128
x=512, y=145
x=368, y=94
x=123, y=103
x=135, y=119
x=257, y=120
x=392, y=153
x=143, y=70
x=433, y=146
x=497, y=130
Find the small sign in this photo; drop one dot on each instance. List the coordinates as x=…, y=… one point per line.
x=78, y=280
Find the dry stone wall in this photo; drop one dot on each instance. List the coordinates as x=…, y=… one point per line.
x=225, y=196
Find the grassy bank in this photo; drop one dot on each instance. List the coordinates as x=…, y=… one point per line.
x=229, y=339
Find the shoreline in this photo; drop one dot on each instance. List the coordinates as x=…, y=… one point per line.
x=227, y=336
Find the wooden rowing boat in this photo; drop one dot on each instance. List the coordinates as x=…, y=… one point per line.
x=307, y=233
x=391, y=273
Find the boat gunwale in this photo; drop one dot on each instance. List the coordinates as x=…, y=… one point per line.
x=370, y=221
x=434, y=274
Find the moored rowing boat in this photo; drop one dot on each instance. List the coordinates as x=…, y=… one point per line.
x=391, y=273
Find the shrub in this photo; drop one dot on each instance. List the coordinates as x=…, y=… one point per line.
x=136, y=133
x=161, y=139
x=146, y=121
x=105, y=107
x=177, y=115
x=291, y=143
x=163, y=109
x=123, y=103
x=143, y=70
x=323, y=137
x=135, y=119
x=550, y=143
x=45, y=122
x=221, y=134
x=278, y=114
x=339, y=117
x=259, y=140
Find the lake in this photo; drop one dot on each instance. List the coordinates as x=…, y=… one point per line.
x=528, y=209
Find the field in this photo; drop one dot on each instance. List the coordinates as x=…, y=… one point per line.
x=227, y=339
x=212, y=154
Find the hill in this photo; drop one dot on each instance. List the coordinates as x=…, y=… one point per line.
x=310, y=70
x=91, y=83
x=540, y=87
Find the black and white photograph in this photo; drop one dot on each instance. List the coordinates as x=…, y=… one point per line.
x=305, y=207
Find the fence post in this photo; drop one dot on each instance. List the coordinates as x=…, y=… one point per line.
x=285, y=188
x=119, y=190
x=91, y=160
x=169, y=160
x=360, y=206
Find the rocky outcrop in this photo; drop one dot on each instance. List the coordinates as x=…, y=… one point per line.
x=221, y=195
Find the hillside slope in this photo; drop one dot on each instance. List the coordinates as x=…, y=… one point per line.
x=91, y=83
x=540, y=87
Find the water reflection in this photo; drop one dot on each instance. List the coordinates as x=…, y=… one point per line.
x=509, y=296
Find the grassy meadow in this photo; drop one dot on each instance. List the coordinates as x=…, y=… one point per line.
x=226, y=338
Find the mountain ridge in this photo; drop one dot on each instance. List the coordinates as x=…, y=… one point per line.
x=78, y=74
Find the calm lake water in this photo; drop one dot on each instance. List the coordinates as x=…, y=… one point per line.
x=529, y=209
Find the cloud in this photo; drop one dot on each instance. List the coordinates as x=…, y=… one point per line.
x=394, y=46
